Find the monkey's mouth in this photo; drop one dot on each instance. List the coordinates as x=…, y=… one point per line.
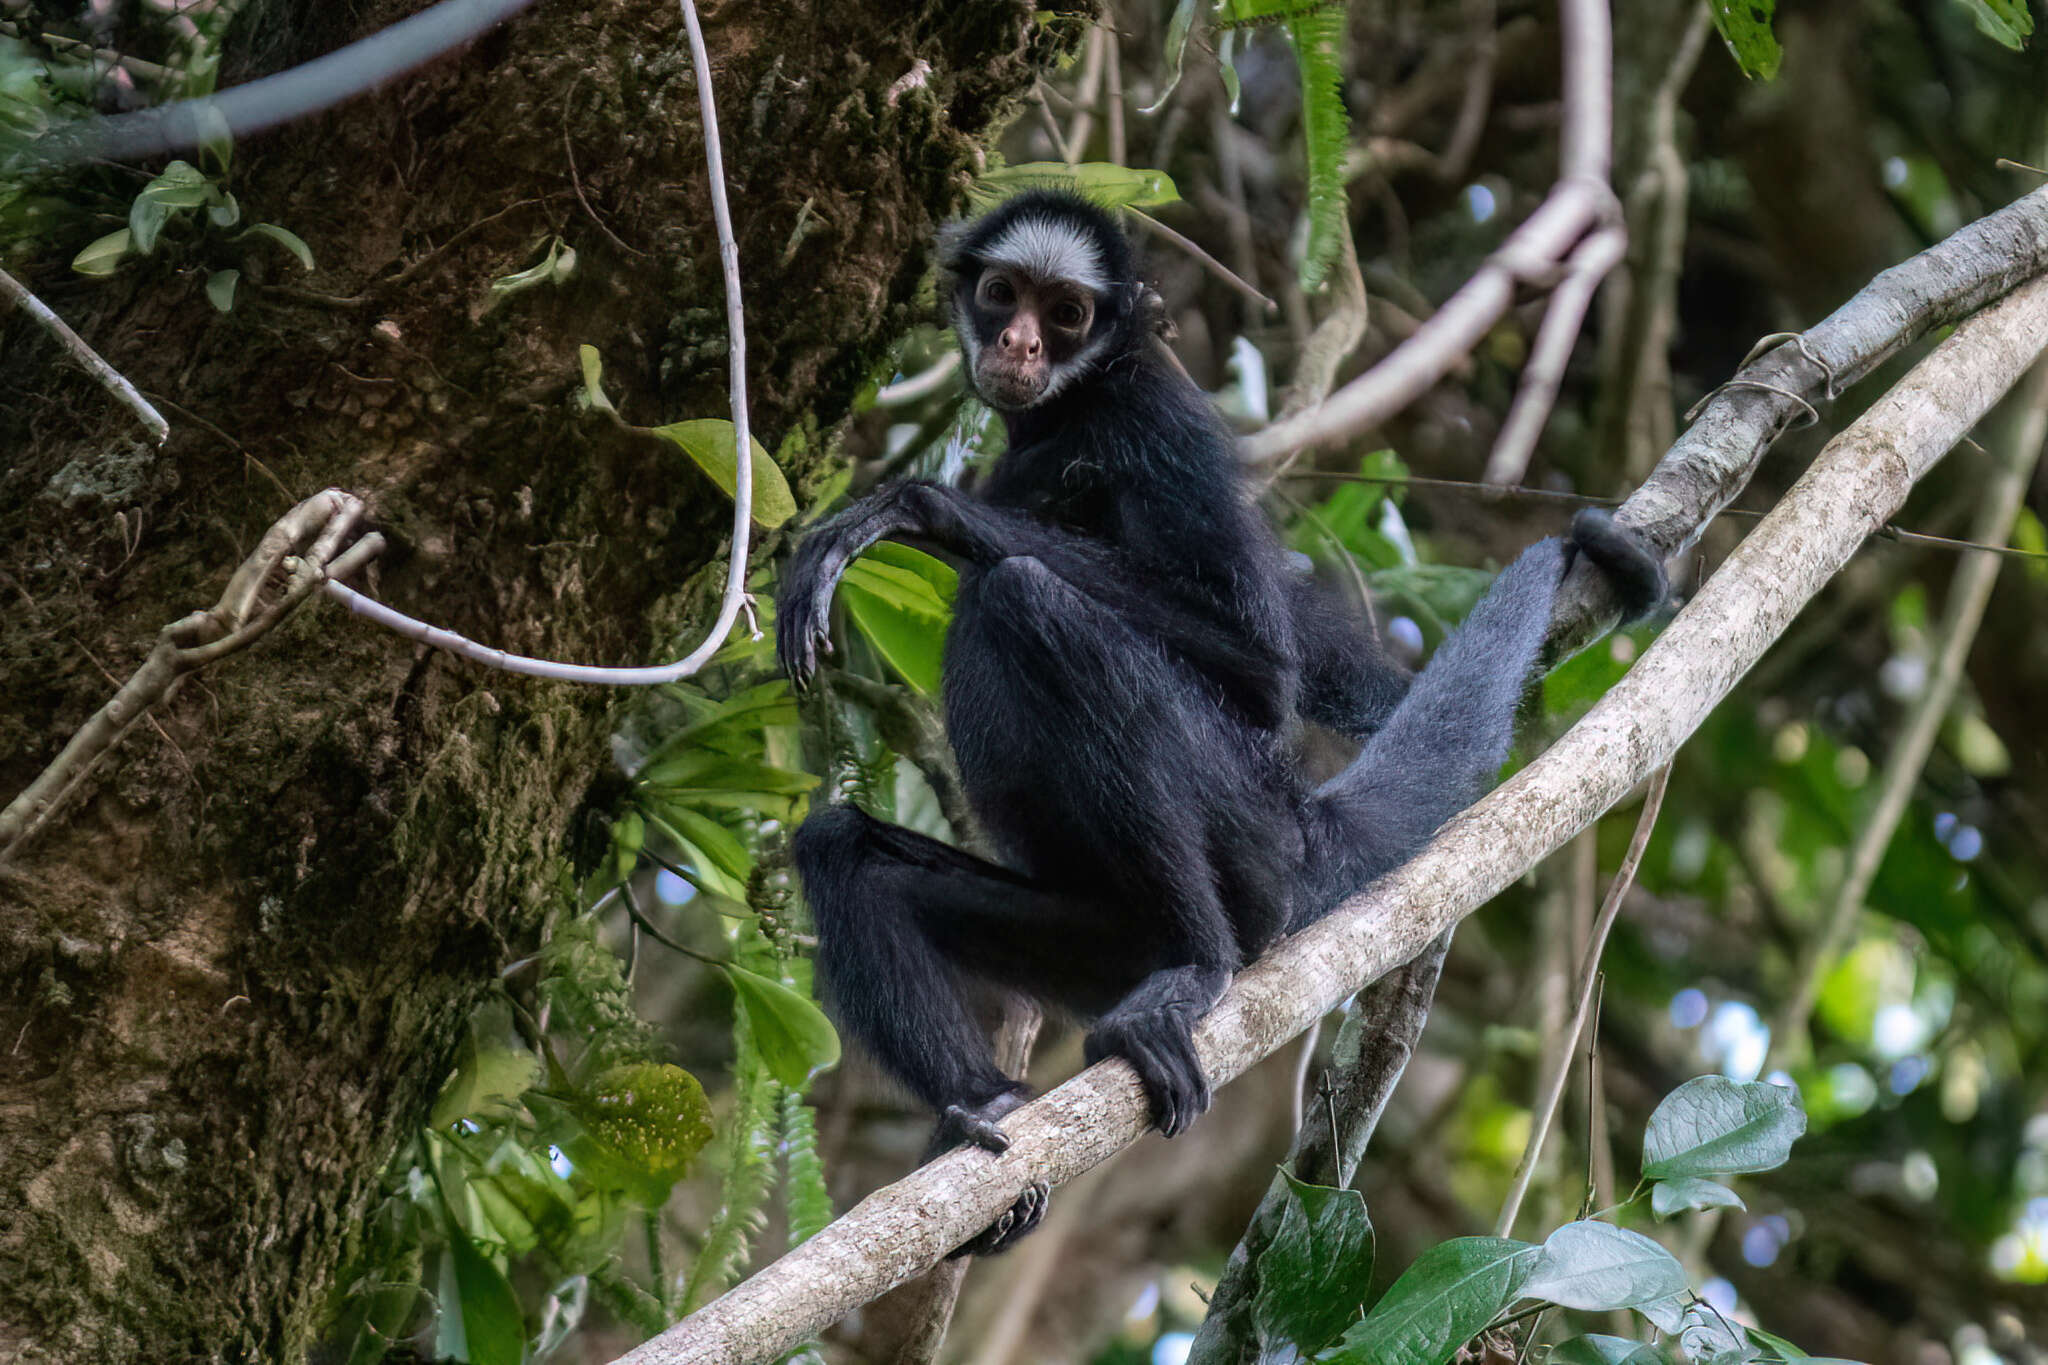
x=1010, y=386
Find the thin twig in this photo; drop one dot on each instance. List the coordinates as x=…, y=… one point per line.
x=1589, y=976
x=576, y=181
x=735, y=596
x=109, y=377
x=1205, y=260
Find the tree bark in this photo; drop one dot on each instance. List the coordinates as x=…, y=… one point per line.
x=236, y=964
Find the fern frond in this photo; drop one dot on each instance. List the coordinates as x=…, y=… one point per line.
x=808, y=1201
x=1318, y=33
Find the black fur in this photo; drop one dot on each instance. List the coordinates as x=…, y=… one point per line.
x=1129, y=659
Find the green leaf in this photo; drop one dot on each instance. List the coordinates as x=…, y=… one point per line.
x=1745, y=25
x=181, y=186
x=593, y=371
x=1318, y=34
x=1596, y=1266
x=492, y=1068
x=629, y=832
x=1595, y=1349
x=1317, y=1269
x=1780, y=1347
x=1714, y=1126
x=793, y=1034
x=2003, y=21
x=710, y=442
x=1439, y=1303
x=1177, y=29
x=1668, y=1198
x=286, y=238
x=695, y=830
x=552, y=268
x=480, y=1318
x=220, y=288
x=225, y=213
x=653, y=1117
x=1101, y=182
x=902, y=600
x=103, y=255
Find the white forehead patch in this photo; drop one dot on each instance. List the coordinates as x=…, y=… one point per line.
x=1047, y=249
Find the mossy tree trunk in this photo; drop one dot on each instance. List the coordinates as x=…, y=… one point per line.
x=235, y=967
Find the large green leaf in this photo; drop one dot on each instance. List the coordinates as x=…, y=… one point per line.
x=1714, y=1126
x=902, y=600
x=286, y=238
x=709, y=442
x=1595, y=1349
x=492, y=1069
x=1101, y=182
x=1596, y=1266
x=1745, y=25
x=1318, y=33
x=1316, y=1270
x=181, y=185
x=793, y=1034
x=480, y=1319
x=653, y=1118
x=1439, y=1303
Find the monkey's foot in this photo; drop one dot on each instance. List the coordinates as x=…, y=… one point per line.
x=1020, y=1218
x=962, y=1125
x=1159, y=1044
x=1634, y=569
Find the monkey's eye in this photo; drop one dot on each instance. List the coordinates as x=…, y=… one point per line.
x=1069, y=315
x=996, y=289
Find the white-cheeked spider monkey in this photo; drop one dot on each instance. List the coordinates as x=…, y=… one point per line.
x=1130, y=657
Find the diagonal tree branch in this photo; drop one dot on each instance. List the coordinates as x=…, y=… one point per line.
x=1857, y=482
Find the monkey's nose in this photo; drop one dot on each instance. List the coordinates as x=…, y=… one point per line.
x=1031, y=348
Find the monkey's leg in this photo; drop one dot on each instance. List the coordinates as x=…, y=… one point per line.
x=900, y=917
x=1105, y=765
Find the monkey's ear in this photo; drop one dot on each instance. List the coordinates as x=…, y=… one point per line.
x=1152, y=314
x=953, y=246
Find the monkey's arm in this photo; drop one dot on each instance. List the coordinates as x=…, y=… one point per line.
x=984, y=534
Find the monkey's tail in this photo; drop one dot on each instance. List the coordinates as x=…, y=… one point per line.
x=1443, y=745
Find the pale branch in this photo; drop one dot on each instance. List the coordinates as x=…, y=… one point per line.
x=735, y=597
x=1534, y=253
x=1713, y=459
x=1968, y=594
x=1543, y=376
x=1857, y=482
x=238, y=620
x=110, y=378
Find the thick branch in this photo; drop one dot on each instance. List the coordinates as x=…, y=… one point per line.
x=1857, y=482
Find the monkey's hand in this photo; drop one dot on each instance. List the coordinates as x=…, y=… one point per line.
x=1159, y=1044
x=1634, y=569
x=803, y=605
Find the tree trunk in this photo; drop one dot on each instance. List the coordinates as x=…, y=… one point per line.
x=235, y=965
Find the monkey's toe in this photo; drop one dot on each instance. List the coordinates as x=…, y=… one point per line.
x=1011, y=1227
x=962, y=1125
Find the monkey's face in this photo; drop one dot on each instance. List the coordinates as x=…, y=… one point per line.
x=1023, y=335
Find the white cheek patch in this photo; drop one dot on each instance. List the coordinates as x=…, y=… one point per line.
x=1047, y=249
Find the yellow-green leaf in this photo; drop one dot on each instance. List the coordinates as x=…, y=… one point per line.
x=1101, y=182
x=103, y=256
x=708, y=441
